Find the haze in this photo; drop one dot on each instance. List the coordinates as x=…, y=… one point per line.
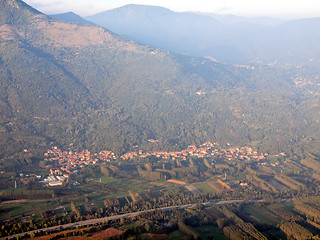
x=250, y=8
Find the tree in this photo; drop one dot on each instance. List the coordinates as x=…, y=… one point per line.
x=32, y=234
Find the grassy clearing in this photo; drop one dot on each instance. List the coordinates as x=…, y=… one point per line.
x=205, y=188
x=133, y=185
x=11, y=211
x=110, y=180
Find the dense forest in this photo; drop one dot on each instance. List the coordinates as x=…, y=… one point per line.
x=106, y=92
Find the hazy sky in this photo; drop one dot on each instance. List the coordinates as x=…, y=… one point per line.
x=274, y=8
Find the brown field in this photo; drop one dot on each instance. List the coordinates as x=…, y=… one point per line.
x=216, y=186
x=176, y=181
x=156, y=184
x=193, y=189
x=278, y=185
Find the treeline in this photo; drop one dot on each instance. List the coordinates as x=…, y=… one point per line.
x=236, y=228
x=316, y=176
x=14, y=164
x=308, y=210
x=296, y=231
x=29, y=194
x=261, y=184
x=285, y=213
x=235, y=233
x=184, y=172
x=109, y=171
x=153, y=175
x=188, y=231
x=178, y=172
x=290, y=182
x=311, y=162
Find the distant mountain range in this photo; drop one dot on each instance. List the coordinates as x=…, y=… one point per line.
x=229, y=39
x=83, y=86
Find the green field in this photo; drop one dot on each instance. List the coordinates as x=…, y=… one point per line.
x=132, y=225
x=260, y=213
x=12, y=210
x=205, y=188
x=210, y=232
x=126, y=185
x=177, y=235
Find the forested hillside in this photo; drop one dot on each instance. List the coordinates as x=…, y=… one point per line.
x=82, y=85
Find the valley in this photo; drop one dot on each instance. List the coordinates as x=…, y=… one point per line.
x=110, y=189
x=104, y=137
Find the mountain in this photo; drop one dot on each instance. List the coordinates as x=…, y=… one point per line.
x=83, y=86
x=70, y=17
x=160, y=27
x=228, y=38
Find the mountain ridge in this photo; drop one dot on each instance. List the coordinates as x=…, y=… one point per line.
x=71, y=17
x=236, y=40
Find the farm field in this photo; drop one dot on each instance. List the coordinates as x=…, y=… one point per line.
x=262, y=214
x=9, y=210
x=218, y=186
x=193, y=189
x=211, y=232
x=177, y=182
x=205, y=188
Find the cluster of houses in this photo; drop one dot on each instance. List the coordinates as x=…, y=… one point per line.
x=206, y=150
x=71, y=161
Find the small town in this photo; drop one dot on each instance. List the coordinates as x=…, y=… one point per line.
x=71, y=161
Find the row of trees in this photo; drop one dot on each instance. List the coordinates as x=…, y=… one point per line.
x=296, y=231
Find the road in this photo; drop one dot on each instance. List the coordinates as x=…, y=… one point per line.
x=127, y=215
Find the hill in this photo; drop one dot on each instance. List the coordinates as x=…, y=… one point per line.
x=83, y=86
x=71, y=18
x=229, y=39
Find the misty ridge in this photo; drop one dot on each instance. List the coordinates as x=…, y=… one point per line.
x=227, y=38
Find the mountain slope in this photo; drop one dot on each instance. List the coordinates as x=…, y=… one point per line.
x=83, y=85
x=16, y=12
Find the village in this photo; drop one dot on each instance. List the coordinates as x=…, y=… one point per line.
x=70, y=162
